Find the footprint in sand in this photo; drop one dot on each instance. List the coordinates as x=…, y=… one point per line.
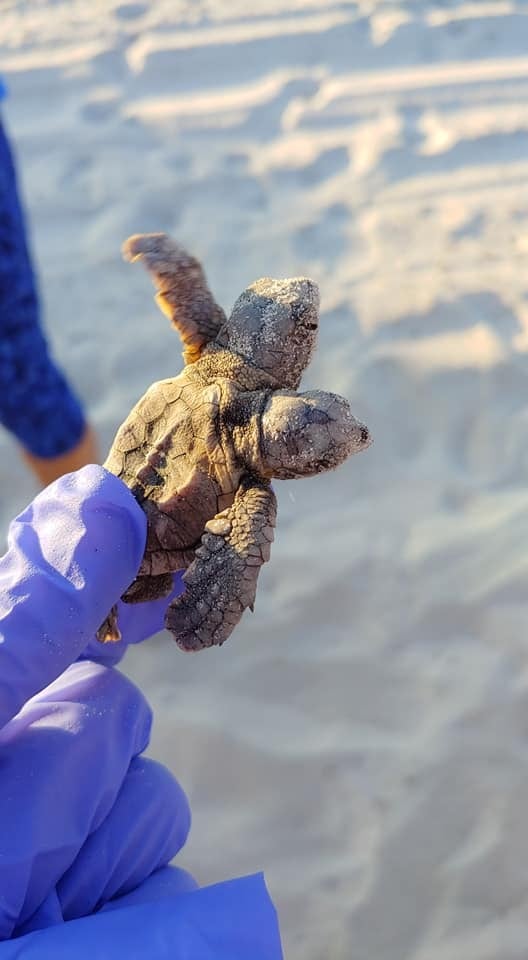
x=403, y=163
x=326, y=165
x=455, y=316
x=97, y=111
x=472, y=227
x=130, y=11
x=324, y=240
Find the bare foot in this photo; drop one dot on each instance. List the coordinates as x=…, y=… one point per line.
x=47, y=469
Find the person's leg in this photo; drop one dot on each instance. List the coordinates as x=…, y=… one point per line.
x=37, y=404
x=47, y=469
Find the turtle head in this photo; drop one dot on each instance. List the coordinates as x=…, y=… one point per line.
x=303, y=434
x=274, y=326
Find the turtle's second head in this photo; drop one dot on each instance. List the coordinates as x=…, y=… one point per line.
x=274, y=325
x=305, y=433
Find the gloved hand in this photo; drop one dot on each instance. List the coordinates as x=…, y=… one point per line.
x=88, y=825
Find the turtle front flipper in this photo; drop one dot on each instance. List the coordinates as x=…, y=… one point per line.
x=221, y=582
x=183, y=294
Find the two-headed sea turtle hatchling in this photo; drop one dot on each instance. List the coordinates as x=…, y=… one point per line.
x=199, y=451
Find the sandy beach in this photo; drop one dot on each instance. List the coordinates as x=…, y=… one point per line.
x=363, y=736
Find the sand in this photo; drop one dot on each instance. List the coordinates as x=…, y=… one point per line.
x=363, y=737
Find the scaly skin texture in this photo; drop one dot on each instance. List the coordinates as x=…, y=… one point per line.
x=183, y=294
x=199, y=450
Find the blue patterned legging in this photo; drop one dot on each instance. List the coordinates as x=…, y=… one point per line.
x=36, y=402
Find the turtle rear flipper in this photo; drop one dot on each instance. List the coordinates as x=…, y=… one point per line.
x=183, y=294
x=143, y=589
x=109, y=631
x=221, y=582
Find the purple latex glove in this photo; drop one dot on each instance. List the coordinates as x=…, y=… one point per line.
x=87, y=825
